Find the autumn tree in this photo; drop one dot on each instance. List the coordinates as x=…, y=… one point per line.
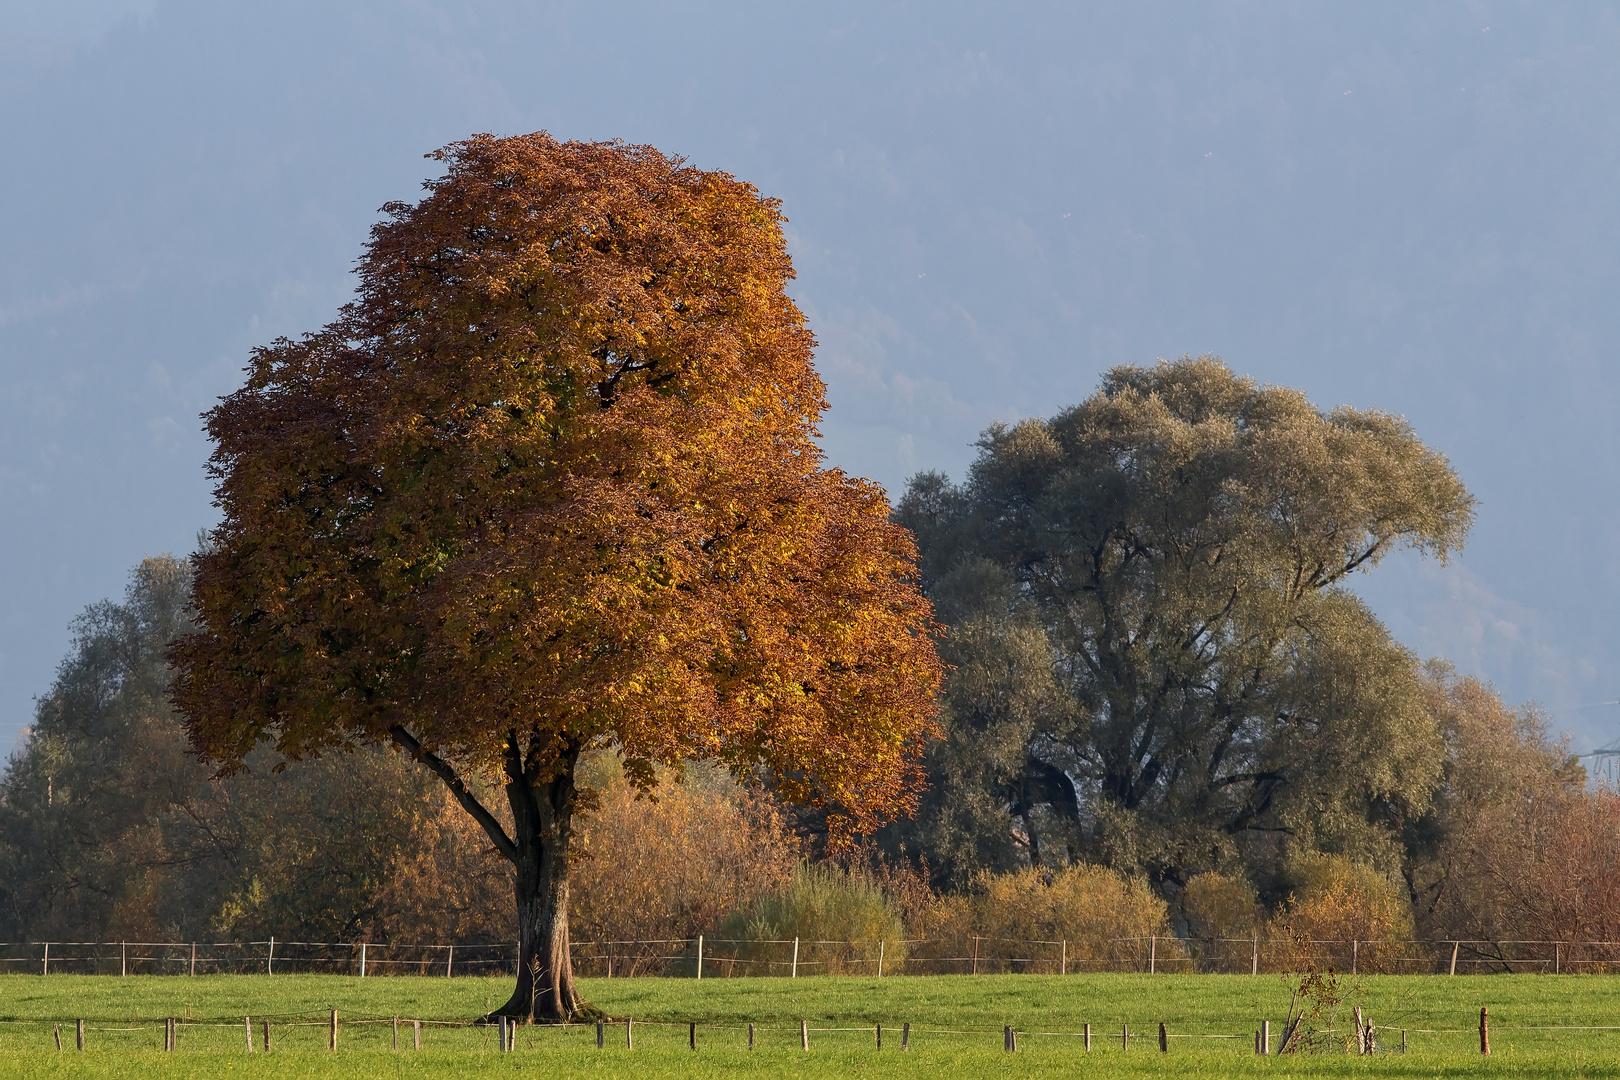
x=1156, y=662
x=1513, y=846
x=548, y=484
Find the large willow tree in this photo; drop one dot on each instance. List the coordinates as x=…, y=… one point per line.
x=1155, y=660
x=550, y=484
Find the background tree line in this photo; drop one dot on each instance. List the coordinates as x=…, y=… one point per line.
x=1164, y=714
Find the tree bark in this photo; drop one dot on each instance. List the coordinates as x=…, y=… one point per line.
x=543, y=818
x=543, y=806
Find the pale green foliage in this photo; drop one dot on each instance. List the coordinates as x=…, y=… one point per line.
x=989, y=806
x=1152, y=638
x=824, y=908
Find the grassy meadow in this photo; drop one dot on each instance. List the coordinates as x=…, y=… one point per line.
x=956, y=1026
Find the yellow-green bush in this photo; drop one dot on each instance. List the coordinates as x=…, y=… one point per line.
x=839, y=918
x=1093, y=918
x=1223, y=915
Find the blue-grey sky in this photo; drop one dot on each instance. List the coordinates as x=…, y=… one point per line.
x=1408, y=206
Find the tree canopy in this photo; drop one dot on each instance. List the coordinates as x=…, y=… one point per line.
x=550, y=482
x=1151, y=634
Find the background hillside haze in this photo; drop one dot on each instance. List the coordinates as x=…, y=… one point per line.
x=1401, y=206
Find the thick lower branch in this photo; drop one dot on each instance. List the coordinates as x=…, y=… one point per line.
x=469, y=802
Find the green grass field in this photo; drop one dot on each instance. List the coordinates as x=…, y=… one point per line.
x=956, y=1027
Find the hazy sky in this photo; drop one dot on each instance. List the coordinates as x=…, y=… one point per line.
x=1403, y=206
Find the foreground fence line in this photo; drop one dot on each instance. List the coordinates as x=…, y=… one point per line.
x=1363, y=1037
x=698, y=957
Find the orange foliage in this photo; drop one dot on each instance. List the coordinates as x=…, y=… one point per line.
x=449, y=885
x=554, y=475
x=675, y=865
x=551, y=484
x=1549, y=870
x=1339, y=902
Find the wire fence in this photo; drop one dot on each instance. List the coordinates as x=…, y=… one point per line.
x=698, y=957
x=268, y=1033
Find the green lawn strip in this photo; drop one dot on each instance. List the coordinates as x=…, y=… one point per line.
x=956, y=1023
x=959, y=1062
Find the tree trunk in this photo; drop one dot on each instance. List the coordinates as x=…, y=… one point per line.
x=543, y=820
x=539, y=849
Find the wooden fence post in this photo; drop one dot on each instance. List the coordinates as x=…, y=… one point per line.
x=362, y=959
x=416, y=1033
x=1484, y=1031
x=1164, y=1039
x=1063, y=958
x=1088, y=1038
x=1355, y=947
x=78, y=1033
x=599, y=1035
x=1361, y=1034
x=1124, y=1036
x=1153, y=947
x=794, y=974
x=1265, y=1036
x=247, y=1029
x=629, y=1034
x=264, y=1035
x=123, y=958
x=46, y=970
x=1454, y=945
x=880, y=958
x=700, y=956
x=691, y=1034
x=449, y=958
x=270, y=957
x=750, y=1035
x=332, y=1040
x=396, y=1033
x=1254, y=956
x=1372, y=1036
x=880, y=1035
x=57, y=1030
x=975, y=954
x=193, y=958
x=905, y=1035
x=804, y=1034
